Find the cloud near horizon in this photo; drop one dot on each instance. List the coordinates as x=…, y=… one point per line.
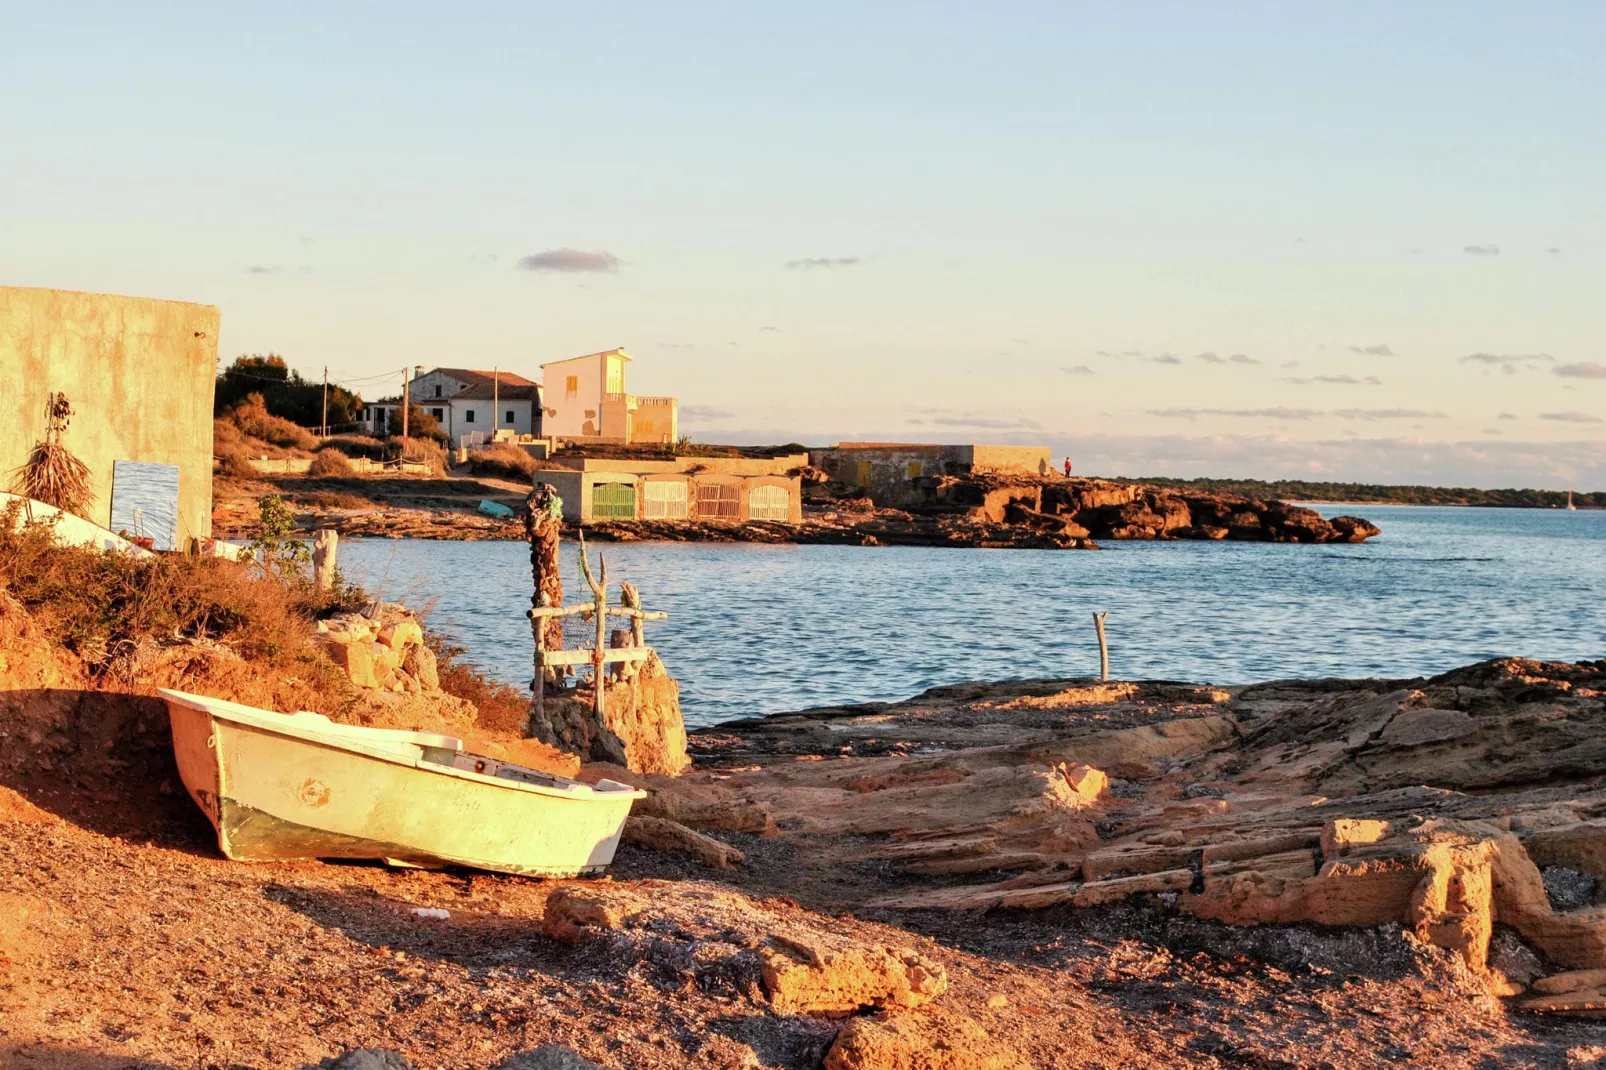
x=1481, y=250
x=263, y=269
x=1338, y=380
x=1507, y=362
x=705, y=412
x=1080, y=369
x=1284, y=413
x=810, y=262
x=570, y=260
x=1572, y=417
x=1584, y=369
x=1379, y=350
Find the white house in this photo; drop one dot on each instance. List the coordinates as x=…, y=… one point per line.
x=464, y=402
x=585, y=398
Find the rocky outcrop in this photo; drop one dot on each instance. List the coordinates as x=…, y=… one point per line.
x=641, y=726
x=797, y=964
x=920, y=1042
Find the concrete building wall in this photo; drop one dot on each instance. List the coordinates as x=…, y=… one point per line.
x=882, y=467
x=140, y=375
x=573, y=392
x=1030, y=460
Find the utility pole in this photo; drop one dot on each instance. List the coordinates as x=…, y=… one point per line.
x=496, y=402
x=325, y=401
x=407, y=385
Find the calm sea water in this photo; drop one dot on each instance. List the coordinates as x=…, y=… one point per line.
x=765, y=629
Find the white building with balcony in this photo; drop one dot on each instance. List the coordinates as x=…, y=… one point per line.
x=584, y=398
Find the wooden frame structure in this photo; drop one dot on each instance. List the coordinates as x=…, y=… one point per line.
x=601, y=654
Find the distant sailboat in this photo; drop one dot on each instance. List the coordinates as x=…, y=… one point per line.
x=1571, y=507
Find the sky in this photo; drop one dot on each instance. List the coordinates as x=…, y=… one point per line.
x=1359, y=241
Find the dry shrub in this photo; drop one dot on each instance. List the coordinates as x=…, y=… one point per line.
x=365, y=446
x=234, y=462
x=331, y=499
x=330, y=464
x=502, y=707
x=422, y=451
x=100, y=604
x=251, y=416
x=502, y=459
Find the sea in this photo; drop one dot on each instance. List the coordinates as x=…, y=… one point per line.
x=760, y=629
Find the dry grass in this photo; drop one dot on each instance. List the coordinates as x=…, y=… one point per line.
x=502, y=459
x=358, y=446
x=503, y=708
x=423, y=451
x=330, y=464
x=331, y=499
x=96, y=604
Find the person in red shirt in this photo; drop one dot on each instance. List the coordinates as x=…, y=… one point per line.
x=1067, y=466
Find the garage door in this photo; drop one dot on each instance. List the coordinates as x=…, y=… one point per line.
x=769, y=503
x=613, y=501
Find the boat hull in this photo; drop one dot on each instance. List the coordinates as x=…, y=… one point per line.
x=280, y=788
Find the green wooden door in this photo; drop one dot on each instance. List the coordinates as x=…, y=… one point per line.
x=613, y=501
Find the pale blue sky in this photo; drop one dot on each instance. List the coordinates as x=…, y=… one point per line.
x=1007, y=198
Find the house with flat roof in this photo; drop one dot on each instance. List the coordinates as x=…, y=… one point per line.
x=584, y=399
x=730, y=490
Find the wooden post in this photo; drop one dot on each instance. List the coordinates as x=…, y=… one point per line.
x=599, y=591
x=1104, y=647
x=407, y=386
x=324, y=432
x=325, y=547
x=630, y=598
x=542, y=525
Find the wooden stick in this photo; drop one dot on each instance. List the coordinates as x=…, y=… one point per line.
x=589, y=607
x=1104, y=647
x=610, y=655
x=599, y=589
x=325, y=548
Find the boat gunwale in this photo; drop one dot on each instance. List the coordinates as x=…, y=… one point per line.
x=590, y=793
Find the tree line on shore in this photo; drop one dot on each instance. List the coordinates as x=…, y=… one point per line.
x=1316, y=491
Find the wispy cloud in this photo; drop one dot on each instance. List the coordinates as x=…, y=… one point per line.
x=1554, y=251
x=1584, y=369
x=1388, y=414
x=1507, y=362
x=1080, y=369
x=677, y=345
x=1210, y=358
x=986, y=423
x=1239, y=358
x=1336, y=380
x=569, y=260
x=1573, y=417
x=775, y=329
x=808, y=263
x=1481, y=250
x=705, y=413
x=1164, y=358
x=261, y=269
x=1246, y=414
x=1506, y=416
x=1379, y=350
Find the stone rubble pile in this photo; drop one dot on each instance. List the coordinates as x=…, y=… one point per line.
x=381, y=647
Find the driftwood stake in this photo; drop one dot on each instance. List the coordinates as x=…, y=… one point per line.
x=325, y=549
x=1104, y=647
x=599, y=591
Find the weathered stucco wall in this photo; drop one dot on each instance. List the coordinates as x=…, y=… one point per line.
x=139, y=374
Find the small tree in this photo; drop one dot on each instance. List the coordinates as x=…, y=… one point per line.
x=282, y=553
x=420, y=424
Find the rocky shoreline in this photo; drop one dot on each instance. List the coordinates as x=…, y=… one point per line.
x=975, y=511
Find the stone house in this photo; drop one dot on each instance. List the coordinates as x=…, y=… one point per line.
x=890, y=472
x=139, y=374
x=728, y=489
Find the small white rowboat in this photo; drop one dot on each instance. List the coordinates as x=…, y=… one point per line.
x=298, y=786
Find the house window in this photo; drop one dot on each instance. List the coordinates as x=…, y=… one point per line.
x=769, y=503
x=437, y=390
x=439, y=414
x=914, y=469
x=664, y=499
x=571, y=385
x=468, y=416
x=509, y=416
x=719, y=501
x=616, y=376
